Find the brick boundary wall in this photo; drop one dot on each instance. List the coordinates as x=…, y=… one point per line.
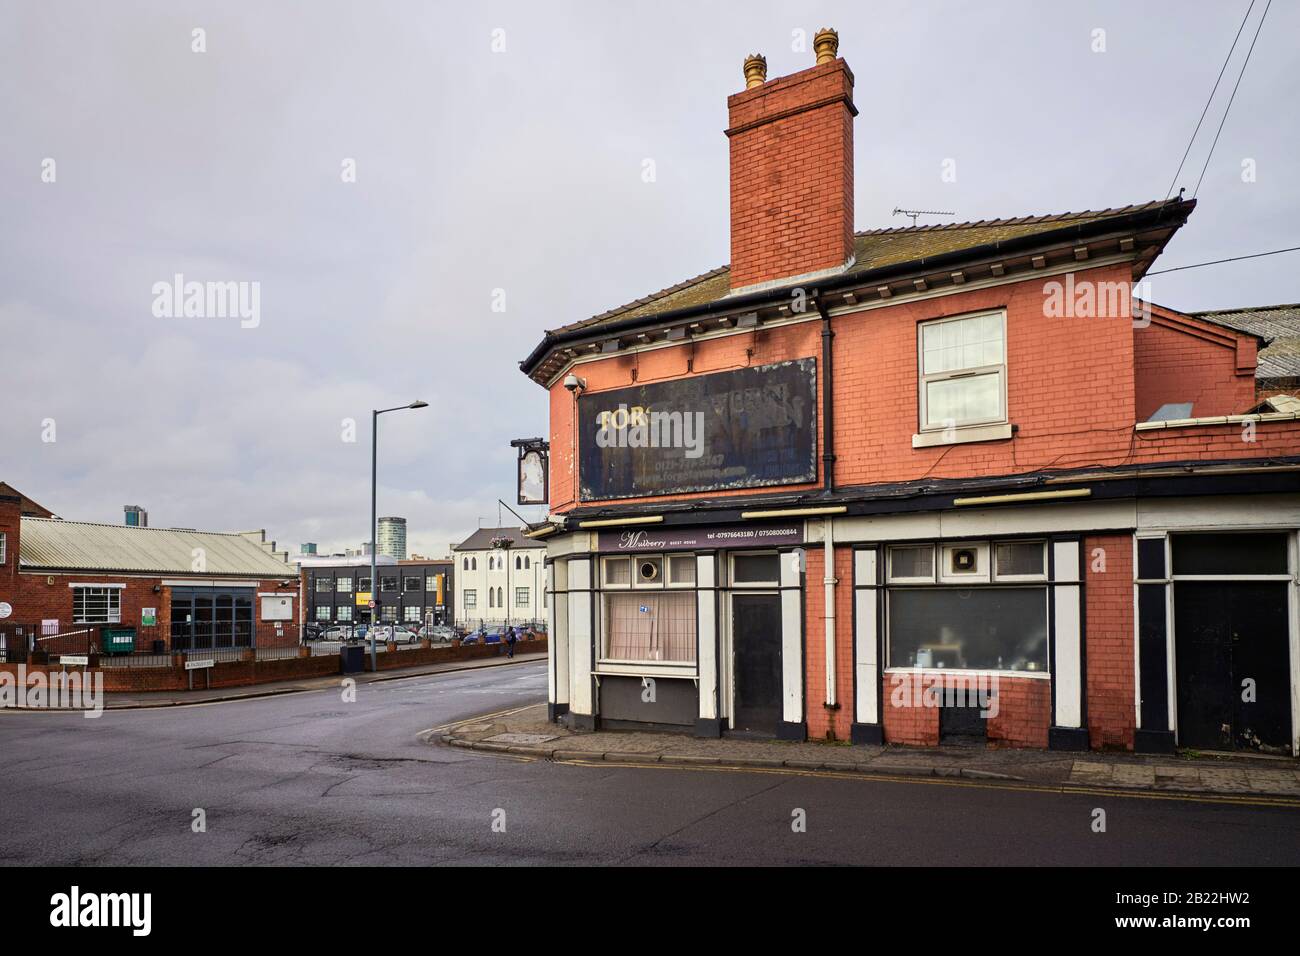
x=394, y=660
x=247, y=673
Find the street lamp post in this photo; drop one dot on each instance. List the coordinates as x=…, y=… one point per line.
x=374, y=520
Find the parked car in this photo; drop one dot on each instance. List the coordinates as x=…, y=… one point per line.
x=312, y=631
x=339, y=632
x=493, y=635
x=437, y=632
x=399, y=634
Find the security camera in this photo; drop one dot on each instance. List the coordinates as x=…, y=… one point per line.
x=573, y=383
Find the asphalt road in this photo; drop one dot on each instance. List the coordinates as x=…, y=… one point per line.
x=309, y=779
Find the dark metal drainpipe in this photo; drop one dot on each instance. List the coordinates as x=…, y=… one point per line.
x=828, y=389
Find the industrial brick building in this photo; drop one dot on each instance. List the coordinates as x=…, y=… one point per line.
x=912, y=483
x=160, y=589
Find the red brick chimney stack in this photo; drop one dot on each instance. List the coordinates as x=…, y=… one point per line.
x=792, y=170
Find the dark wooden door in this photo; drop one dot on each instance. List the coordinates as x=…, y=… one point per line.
x=756, y=637
x=1233, y=674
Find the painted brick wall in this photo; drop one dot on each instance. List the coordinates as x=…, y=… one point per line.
x=763, y=347
x=1110, y=651
x=1071, y=392
x=1191, y=362
x=1024, y=712
x=823, y=723
x=791, y=146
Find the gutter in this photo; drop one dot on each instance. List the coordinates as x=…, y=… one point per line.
x=1153, y=217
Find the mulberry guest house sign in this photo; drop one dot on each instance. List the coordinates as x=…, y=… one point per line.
x=744, y=428
x=691, y=539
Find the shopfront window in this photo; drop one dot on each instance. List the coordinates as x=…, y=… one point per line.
x=976, y=628
x=650, y=626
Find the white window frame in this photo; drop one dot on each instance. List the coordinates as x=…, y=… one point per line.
x=469, y=598
x=1016, y=578
x=979, y=576
x=669, y=580
x=113, y=604
x=342, y=585
x=923, y=379
x=2, y=547
x=900, y=579
x=604, y=573
x=773, y=584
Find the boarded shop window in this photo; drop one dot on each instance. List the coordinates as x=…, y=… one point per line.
x=1230, y=554
x=988, y=628
x=658, y=626
x=96, y=605
x=755, y=569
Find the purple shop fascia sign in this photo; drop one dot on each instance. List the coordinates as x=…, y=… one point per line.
x=638, y=540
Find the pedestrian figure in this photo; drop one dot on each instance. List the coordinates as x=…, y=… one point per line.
x=512, y=635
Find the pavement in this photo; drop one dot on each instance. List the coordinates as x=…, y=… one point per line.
x=526, y=733
x=122, y=700
x=330, y=778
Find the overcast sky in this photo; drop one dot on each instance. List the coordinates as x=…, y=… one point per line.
x=515, y=169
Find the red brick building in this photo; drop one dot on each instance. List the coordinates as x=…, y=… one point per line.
x=911, y=483
x=61, y=582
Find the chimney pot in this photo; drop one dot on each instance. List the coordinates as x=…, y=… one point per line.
x=755, y=70
x=826, y=44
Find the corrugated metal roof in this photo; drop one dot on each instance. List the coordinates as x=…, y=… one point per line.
x=47, y=543
x=1278, y=325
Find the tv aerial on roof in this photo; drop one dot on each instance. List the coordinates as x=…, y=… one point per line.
x=921, y=212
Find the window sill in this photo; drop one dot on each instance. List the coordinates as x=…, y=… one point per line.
x=961, y=436
x=646, y=669
x=962, y=672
